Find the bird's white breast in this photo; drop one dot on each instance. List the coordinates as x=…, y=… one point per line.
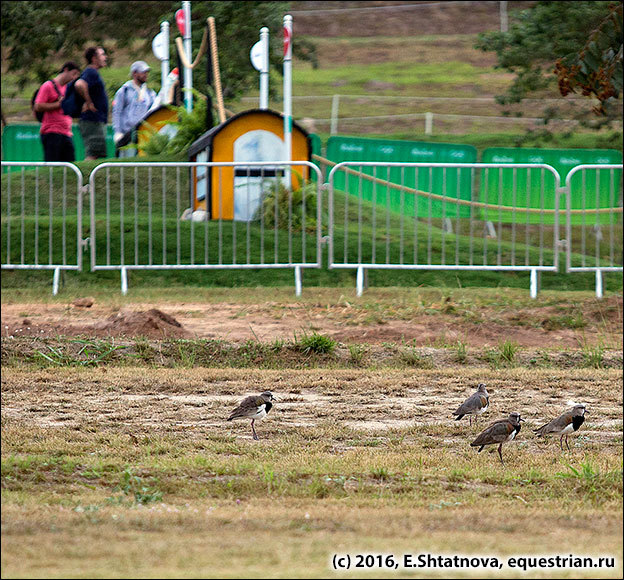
x=512, y=436
x=260, y=413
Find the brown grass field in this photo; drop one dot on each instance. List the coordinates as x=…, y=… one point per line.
x=124, y=466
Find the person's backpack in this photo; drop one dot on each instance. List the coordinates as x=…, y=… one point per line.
x=73, y=101
x=39, y=114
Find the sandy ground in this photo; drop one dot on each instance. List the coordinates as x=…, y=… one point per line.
x=196, y=402
x=528, y=327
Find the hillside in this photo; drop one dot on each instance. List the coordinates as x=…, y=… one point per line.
x=384, y=68
x=400, y=18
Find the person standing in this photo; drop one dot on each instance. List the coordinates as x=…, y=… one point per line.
x=56, y=126
x=131, y=104
x=94, y=115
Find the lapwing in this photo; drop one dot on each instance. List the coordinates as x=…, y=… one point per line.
x=565, y=424
x=475, y=404
x=499, y=432
x=254, y=407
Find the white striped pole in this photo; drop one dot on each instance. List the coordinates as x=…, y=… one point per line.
x=264, y=72
x=188, y=71
x=288, y=94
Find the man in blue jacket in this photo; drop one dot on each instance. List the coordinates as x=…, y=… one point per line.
x=130, y=106
x=94, y=115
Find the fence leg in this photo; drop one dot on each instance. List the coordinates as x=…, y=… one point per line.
x=534, y=283
x=428, y=123
x=55, y=281
x=359, y=281
x=598, y=283
x=297, y=280
x=124, y=281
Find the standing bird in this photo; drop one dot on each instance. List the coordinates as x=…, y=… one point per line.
x=499, y=432
x=475, y=404
x=253, y=407
x=569, y=421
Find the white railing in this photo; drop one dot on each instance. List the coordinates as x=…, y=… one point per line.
x=594, y=220
x=145, y=216
x=42, y=211
x=405, y=216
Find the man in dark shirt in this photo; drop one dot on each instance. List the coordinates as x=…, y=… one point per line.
x=94, y=115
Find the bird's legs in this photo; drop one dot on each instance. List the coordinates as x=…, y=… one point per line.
x=470, y=419
x=567, y=444
x=561, y=442
x=500, y=454
x=255, y=435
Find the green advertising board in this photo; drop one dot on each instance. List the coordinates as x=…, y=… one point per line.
x=23, y=143
x=451, y=182
x=534, y=189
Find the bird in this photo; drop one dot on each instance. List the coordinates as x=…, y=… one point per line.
x=254, y=407
x=499, y=432
x=565, y=424
x=475, y=404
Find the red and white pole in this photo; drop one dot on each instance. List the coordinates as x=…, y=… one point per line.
x=288, y=93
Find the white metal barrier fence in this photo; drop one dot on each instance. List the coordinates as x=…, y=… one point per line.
x=381, y=215
x=594, y=220
x=144, y=217
x=42, y=217
x=444, y=216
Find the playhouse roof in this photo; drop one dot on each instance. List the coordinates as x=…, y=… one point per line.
x=205, y=141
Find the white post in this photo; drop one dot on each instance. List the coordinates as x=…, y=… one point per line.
x=504, y=23
x=598, y=283
x=359, y=281
x=124, y=280
x=334, y=115
x=164, y=63
x=288, y=95
x=55, y=281
x=534, y=283
x=188, y=71
x=428, y=123
x=297, y=280
x=264, y=71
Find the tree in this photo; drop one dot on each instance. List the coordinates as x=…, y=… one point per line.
x=549, y=42
x=597, y=68
x=38, y=36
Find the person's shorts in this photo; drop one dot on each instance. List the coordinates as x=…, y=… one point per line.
x=57, y=147
x=94, y=138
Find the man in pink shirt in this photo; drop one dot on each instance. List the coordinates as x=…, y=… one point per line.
x=56, y=126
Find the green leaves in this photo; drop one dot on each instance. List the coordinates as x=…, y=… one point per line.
x=582, y=41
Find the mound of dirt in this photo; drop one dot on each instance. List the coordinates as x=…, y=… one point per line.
x=152, y=323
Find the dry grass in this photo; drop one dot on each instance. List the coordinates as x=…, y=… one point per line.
x=125, y=472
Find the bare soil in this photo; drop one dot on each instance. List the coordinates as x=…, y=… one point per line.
x=599, y=322
x=196, y=402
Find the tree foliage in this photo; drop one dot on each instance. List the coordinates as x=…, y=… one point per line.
x=597, y=68
x=549, y=42
x=38, y=36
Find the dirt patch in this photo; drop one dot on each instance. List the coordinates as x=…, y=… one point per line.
x=374, y=403
x=153, y=324
x=564, y=325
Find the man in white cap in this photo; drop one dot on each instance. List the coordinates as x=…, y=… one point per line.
x=130, y=106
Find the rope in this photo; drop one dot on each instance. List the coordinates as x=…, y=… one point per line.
x=215, y=68
x=462, y=201
x=202, y=50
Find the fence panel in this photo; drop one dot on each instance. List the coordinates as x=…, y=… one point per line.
x=400, y=226
x=594, y=220
x=41, y=217
x=144, y=216
x=520, y=187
